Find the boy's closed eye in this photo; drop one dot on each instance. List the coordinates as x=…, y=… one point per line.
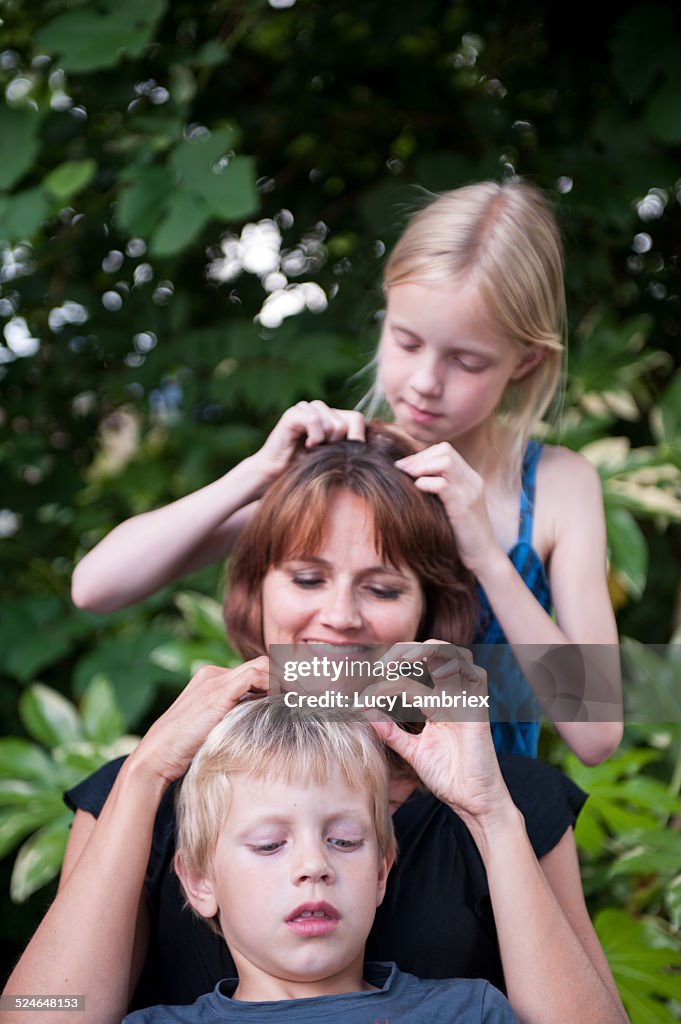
x=336, y=842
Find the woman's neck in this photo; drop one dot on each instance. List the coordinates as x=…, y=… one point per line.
x=401, y=788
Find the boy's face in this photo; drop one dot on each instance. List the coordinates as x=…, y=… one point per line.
x=296, y=879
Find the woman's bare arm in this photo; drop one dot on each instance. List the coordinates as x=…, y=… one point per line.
x=554, y=969
x=92, y=940
x=86, y=944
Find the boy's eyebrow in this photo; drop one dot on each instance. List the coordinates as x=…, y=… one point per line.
x=342, y=816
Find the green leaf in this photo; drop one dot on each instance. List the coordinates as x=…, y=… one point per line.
x=182, y=84
x=203, y=615
x=643, y=974
x=43, y=616
x=673, y=902
x=125, y=661
x=192, y=161
x=40, y=858
x=628, y=549
x=69, y=178
x=48, y=716
x=212, y=54
x=22, y=214
x=15, y=824
x=231, y=193
x=185, y=216
x=653, y=852
x=102, y=719
x=185, y=657
x=17, y=792
x=669, y=411
x=87, y=39
x=143, y=199
x=79, y=760
x=20, y=142
x=21, y=759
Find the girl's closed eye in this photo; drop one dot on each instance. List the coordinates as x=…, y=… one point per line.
x=469, y=365
x=407, y=342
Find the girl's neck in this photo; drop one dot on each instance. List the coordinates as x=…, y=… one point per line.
x=484, y=450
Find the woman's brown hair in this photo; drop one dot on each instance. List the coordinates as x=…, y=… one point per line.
x=411, y=528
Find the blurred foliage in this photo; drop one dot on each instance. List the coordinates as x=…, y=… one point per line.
x=194, y=209
x=32, y=781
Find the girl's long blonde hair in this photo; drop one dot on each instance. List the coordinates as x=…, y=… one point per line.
x=504, y=239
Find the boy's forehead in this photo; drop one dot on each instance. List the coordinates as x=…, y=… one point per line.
x=267, y=791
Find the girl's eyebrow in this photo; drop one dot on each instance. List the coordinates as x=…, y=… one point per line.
x=453, y=350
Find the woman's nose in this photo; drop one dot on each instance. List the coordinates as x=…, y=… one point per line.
x=340, y=610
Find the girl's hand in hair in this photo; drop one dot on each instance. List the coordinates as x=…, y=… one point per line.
x=167, y=749
x=312, y=422
x=441, y=470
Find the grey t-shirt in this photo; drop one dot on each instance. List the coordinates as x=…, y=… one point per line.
x=398, y=998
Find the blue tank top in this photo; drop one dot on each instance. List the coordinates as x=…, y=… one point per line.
x=510, y=695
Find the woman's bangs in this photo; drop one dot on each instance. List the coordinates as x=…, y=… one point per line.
x=298, y=524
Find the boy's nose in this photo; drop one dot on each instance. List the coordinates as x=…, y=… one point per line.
x=313, y=865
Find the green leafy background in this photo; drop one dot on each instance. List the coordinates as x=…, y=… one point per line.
x=139, y=141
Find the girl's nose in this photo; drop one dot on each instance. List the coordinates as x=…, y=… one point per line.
x=427, y=378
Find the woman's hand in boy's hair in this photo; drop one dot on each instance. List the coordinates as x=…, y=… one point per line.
x=455, y=760
x=309, y=423
x=168, y=747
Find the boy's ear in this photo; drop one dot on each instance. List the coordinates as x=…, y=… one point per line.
x=529, y=360
x=384, y=866
x=198, y=888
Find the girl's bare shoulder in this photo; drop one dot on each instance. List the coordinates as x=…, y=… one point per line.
x=569, y=495
x=566, y=471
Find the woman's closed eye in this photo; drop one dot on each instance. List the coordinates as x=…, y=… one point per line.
x=307, y=582
x=385, y=593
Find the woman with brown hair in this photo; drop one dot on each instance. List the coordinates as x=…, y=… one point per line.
x=343, y=553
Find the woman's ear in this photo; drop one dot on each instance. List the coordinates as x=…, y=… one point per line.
x=198, y=888
x=529, y=360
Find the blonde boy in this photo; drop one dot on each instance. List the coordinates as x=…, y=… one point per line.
x=285, y=842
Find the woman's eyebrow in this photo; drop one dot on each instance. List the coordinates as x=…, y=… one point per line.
x=369, y=570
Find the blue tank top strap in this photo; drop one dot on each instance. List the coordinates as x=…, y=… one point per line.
x=527, y=489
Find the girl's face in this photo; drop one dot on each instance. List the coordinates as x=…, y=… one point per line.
x=443, y=362
x=343, y=596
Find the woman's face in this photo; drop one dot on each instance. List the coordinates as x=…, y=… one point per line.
x=343, y=595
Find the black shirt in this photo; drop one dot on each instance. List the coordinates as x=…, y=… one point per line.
x=436, y=919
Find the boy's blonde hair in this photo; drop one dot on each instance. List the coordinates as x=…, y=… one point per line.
x=266, y=739
x=504, y=239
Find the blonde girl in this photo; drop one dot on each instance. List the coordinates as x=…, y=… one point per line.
x=469, y=361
